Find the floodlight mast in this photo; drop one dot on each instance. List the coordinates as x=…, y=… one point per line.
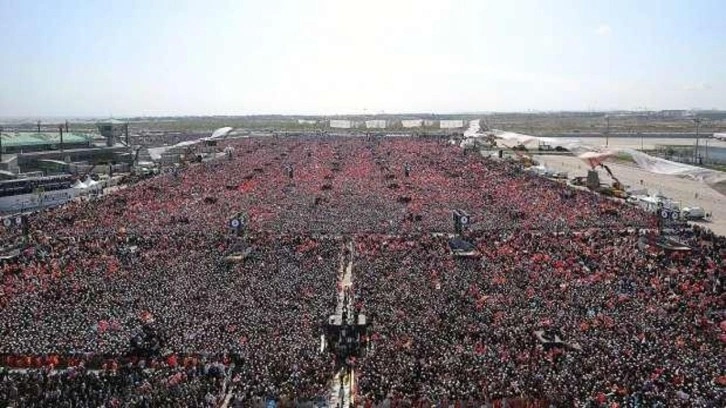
x=607, y=131
x=697, y=120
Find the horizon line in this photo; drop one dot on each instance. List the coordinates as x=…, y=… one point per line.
x=311, y=115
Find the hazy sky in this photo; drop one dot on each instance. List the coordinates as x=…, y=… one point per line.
x=153, y=57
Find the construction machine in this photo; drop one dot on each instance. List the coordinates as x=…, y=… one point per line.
x=617, y=189
x=524, y=159
x=592, y=182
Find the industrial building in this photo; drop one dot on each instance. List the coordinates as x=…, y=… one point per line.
x=25, y=142
x=63, y=151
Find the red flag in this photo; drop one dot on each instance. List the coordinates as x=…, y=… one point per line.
x=102, y=326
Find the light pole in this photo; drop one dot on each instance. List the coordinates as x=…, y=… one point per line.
x=698, y=127
x=529, y=120
x=607, y=131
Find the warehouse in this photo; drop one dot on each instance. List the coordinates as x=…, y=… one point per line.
x=24, y=142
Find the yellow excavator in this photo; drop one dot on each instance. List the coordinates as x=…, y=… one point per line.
x=617, y=189
x=526, y=160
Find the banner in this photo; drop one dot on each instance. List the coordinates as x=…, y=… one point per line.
x=412, y=123
x=376, y=124
x=451, y=124
x=340, y=124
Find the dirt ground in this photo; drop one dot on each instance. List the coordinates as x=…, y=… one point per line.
x=686, y=191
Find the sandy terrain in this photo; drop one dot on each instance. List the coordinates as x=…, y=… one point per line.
x=686, y=191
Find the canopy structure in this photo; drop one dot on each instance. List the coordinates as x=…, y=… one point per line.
x=573, y=145
x=220, y=133
x=656, y=165
x=156, y=152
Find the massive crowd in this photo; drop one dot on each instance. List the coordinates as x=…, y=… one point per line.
x=196, y=385
x=642, y=328
x=97, y=273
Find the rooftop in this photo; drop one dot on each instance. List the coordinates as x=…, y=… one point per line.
x=18, y=139
x=111, y=122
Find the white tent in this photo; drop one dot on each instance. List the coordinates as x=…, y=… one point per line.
x=92, y=184
x=79, y=185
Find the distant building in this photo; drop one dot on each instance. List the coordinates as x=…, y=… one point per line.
x=17, y=142
x=114, y=130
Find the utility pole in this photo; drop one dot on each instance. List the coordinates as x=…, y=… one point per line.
x=1, y=144
x=698, y=127
x=639, y=131
x=60, y=130
x=607, y=131
x=706, y=151
x=529, y=120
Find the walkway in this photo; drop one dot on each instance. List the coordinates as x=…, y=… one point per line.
x=341, y=383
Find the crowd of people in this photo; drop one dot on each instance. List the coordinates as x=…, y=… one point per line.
x=95, y=275
x=195, y=385
x=639, y=328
